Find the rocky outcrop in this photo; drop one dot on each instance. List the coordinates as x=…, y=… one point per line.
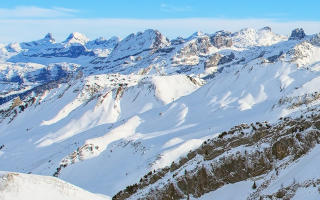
x=297, y=34
x=218, y=59
x=177, y=41
x=198, y=46
x=148, y=41
x=274, y=58
x=213, y=61
x=315, y=40
x=265, y=147
x=221, y=39
x=266, y=28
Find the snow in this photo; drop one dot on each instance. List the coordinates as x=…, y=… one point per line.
x=236, y=191
x=137, y=43
x=172, y=142
x=165, y=90
x=248, y=101
x=118, y=133
x=311, y=193
x=25, y=186
x=167, y=157
x=75, y=38
x=302, y=170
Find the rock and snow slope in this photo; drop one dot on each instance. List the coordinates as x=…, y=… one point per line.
x=102, y=114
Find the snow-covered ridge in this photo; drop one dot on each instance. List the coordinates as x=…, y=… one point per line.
x=26, y=186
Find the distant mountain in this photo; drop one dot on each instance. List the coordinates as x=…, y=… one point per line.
x=212, y=116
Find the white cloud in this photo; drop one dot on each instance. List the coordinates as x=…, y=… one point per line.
x=35, y=12
x=170, y=8
x=32, y=29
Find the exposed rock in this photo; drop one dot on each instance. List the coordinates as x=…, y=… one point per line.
x=315, y=40
x=213, y=61
x=200, y=45
x=135, y=44
x=221, y=39
x=275, y=58
x=189, y=54
x=218, y=59
x=297, y=34
x=226, y=59
x=266, y=28
x=283, y=143
x=16, y=102
x=49, y=38
x=177, y=41
x=160, y=41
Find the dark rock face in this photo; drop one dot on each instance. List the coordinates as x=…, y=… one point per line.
x=266, y=28
x=226, y=59
x=199, y=46
x=221, y=39
x=177, y=41
x=315, y=40
x=49, y=38
x=218, y=59
x=213, y=61
x=297, y=34
x=158, y=40
x=275, y=58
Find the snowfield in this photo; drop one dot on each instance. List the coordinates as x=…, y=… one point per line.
x=24, y=186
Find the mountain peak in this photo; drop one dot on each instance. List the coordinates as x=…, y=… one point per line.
x=266, y=28
x=297, y=34
x=76, y=37
x=49, y=37
x=134, y=44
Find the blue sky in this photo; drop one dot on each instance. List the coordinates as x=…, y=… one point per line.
x=105, y=18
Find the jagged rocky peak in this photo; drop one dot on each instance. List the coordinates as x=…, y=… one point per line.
x=196, y=35
x=221, y=39
x=315, y=40
x=150, y=38
x=195, y=45
x=160, y=40
x=297, y=34
x=140, y=42
x=76, y=37
x=177, y=41
x=114, y=39
x=49, y=38
x=101, y=42
x=266, y=28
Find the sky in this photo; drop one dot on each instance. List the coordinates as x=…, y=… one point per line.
x=26, y=20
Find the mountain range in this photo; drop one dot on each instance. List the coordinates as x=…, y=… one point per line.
x=211, y=116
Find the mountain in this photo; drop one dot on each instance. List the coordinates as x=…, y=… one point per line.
x=214, y=115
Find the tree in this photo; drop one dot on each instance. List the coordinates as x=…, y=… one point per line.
x=254, y=186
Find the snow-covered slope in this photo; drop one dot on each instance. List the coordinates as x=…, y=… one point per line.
x=104, y=114
x=15, y=186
